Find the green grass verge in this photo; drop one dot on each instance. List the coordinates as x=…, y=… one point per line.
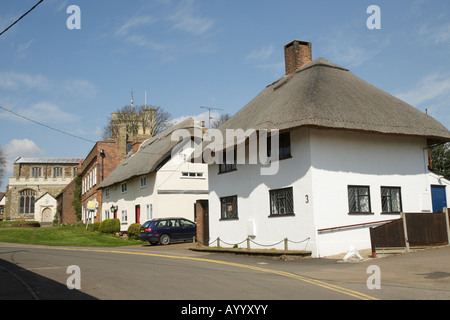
x=73, y=235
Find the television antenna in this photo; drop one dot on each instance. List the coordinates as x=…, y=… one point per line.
x=209, y=114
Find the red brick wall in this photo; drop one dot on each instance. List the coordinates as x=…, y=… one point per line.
x=297, y=54
x=65, y=208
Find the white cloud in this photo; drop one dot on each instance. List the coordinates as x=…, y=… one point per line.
x=17, y=80
x=204, y=116
x=350, y=48
x=81, y=87
x=42, y=112
x=429, y=88
x=185, y=19
x=134, y=22
x=19, y=148
x=261, y=55
x=437, y=35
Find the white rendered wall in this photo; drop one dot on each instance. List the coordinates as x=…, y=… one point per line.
x=253, y=201
x=343, y=158
x=323, y=164
x=168, y=193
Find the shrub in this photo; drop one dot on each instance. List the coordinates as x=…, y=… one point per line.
x=110, y=226
x=133, y=231
x=96, y=226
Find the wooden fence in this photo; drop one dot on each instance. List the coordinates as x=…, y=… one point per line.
x=412, y=229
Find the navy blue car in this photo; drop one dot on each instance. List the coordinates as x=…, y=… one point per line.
x=166, y=230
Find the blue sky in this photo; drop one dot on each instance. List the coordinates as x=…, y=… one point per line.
x=194, y=53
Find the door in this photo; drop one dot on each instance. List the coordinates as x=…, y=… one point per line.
x=47, y=215
x=439, y=198
x=138, y=214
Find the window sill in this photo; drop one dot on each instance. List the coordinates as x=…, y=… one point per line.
x=223, y=172
x=387, y=212
x=361, y=213
x=228, y=219
x=281, y=215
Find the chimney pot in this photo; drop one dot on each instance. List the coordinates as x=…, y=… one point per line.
x=297, y=53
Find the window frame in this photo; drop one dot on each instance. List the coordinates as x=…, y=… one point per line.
x=358, y=197
x=289, y=191
x=390, y=188
x=225, y=167
x=36, y=172
x=124, y=188
x=58, y=172
x=284, y=146
x=224, y=203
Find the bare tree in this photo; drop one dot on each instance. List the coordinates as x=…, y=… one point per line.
x=138, y=117
x=223, y=118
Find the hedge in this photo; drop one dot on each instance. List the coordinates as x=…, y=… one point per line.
x=110, y=226
x=133, y=231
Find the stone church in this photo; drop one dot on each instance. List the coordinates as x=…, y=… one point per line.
x=32, y=190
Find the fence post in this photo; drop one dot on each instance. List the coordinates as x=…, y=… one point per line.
x=405, y=230
x=285, y=244
x=218, y=242
x=248, y=243
x=447, y=223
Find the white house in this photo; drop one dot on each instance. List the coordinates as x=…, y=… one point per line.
x=153, y=184
x=350, y=157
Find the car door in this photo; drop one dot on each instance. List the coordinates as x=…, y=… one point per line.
x=188, y=229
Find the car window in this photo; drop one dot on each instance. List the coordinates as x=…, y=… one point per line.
x=186, y=223
x=173, y=223
x=161, y=224
x=146, y=224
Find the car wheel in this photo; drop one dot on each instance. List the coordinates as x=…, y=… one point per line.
x=164, y=239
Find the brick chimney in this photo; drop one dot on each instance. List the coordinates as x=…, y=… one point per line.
x=296, y=55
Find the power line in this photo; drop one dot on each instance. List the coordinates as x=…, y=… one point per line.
x=46, y=126
x=21, y=17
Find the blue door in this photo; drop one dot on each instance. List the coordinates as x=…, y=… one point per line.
x=439, y=198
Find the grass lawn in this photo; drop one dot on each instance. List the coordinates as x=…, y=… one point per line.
x=75, y=235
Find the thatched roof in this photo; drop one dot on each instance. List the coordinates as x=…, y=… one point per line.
x=152, y=154
x=323, y=94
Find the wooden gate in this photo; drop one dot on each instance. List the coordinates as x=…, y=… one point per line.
x=421, y=229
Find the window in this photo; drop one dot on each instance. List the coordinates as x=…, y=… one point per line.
x=124, y=187
x=106, y=214
x=281, y=202
x=227, y=167
x=124, y=216
x=359, y=199
x=35, y=172
x=149, y=211
x=229, y=208
x=94, y=176
x=192, y=174
x=391, y=200
x=107, y=193
x=284, y=151
x=26, y=203
x=143, y=182
x=75, y=171
x=57, y=172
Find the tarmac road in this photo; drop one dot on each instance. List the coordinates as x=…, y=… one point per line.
x=175, y=273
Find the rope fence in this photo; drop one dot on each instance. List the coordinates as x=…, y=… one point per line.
x=218, y=241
